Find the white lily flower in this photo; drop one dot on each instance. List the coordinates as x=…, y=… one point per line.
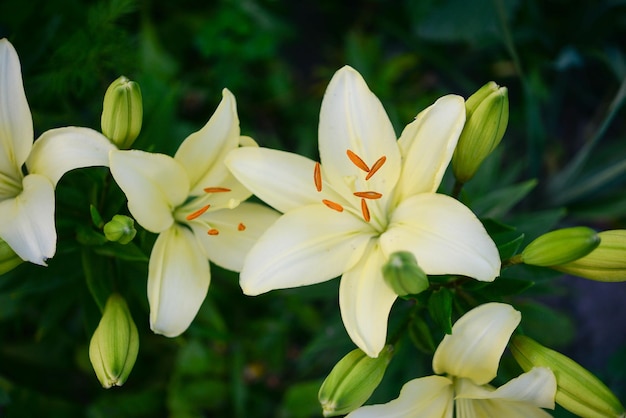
x=194, y=204
x=371, y=196
x=469, y=357
x=27, y=201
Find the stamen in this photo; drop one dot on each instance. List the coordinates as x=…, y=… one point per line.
x=317, y=177
x=368, y=195
x=216, y=189
x=379, y=163
x=213, y=231
x=197, y=213
x=356, y=160
x=333, y=205
x=241, y=227
x=365, y=210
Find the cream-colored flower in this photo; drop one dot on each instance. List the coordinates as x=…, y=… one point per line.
x=27, y=201
x=469, y=358
x=371, y=196
x=194, y=204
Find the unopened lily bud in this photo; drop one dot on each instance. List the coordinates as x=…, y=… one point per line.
x=122, y=112
x=8, y=259
x=560, y=246
x=404, y=275
x=352, y=381
x=578, y=390
x=487, y=116
x=120, y=229
x=115, y=343
x=607, y=263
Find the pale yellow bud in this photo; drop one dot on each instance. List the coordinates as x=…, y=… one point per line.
x=404, y=275
x=560, y=246
x=120, y=229
x=122, y=112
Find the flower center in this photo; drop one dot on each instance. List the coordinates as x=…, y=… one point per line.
x=195, y=215
x=363, y=195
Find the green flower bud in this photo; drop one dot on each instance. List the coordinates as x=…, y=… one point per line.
x=560, y=246
x=352, y=381
x=404, y=275
x=122, y=112
x=121, y=229
x=578, y=390
x=115, y=343
x=8, y=259
x=487, y=116
x=607, y=263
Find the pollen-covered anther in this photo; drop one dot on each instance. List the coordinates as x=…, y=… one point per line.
x=213, y=231
x=379, y=163
x=356, y=160
x=216, y=189
x=365, y=210
x=197, y=213
x=368, y=195
x=317, y=177
x=333, y=205
x=241, y=227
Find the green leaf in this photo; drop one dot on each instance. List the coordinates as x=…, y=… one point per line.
x=542, y=323
x=99, y=283
x=128, y=252
x=506, y=286
x=497, y=203
x=509, y=249
x=440, y=309
x=420, y=335
x=300, y=401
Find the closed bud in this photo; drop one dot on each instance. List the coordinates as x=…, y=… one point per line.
x=607, y=263
x=8, y=259
x=487, y=116
x=560, y=246
x=578, y=390
x=122, y=112
x=115, y=343
x=120, y=229
x=352, y=381
x=404, y=275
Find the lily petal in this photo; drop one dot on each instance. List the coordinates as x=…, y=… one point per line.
x=477, y=342
x=427, y=145
x=304, y=246
x=16, y=122
x=430, y=397
x=239, y=229
x=60, y=150
x=154, y=185
x=365, y=300
x=27, y=221
x=444, y=235
x=489, y=408
x=178, y=281
x=202, y=153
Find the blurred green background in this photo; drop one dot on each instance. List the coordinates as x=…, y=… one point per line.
x=561, y=163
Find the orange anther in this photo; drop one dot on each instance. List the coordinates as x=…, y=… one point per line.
x=317, y=177
x=333, y=205
x=213, y=231
x=365, y=210
x=368, y=195
x=216, y=189
x=197, y=213
x=241, y=227
x=356, y=160
x=379, y=163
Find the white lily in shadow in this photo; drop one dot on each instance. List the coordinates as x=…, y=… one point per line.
x=194, y=204
x=469, y=358
x=370, y=197
x=27, y=200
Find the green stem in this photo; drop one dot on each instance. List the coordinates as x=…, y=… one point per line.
x=456, y=190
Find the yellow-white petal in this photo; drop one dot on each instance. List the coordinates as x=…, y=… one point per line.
x=27, y=220
x=239, y=229
x=281, y=179
x=60, y=150
x=352, y=118
x=477, y=342
x=178, y=281
x=202, y=154
x=426, y=397
x=444, y=235
x=365, y=300
x=305, y=246
x=154, y=184
x=16, y=123
x=489, y=408
x=427, y=145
